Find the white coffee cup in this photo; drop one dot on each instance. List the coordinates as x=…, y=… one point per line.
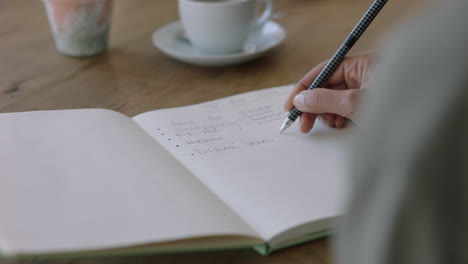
x=221, y=26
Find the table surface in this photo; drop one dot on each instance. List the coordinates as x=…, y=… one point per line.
x=133, y=76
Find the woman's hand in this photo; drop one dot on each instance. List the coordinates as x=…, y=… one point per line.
x=339, y=97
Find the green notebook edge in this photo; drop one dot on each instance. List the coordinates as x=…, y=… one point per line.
x=111, y=254
x=263, y=249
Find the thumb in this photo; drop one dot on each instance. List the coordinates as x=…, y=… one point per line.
x=321, y=100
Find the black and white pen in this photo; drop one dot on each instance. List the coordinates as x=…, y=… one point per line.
x=339, y=55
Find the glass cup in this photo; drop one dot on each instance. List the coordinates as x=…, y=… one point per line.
x=80, y=27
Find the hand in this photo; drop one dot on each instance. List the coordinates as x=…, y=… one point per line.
x=339, y=97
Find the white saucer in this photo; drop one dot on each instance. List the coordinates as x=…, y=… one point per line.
x=171, y=40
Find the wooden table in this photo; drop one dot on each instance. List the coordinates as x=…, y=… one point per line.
x=133, y=76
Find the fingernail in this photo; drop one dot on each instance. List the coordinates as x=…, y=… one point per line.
x=298, y=100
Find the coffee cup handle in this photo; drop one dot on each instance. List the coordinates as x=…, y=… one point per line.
x=258, y=24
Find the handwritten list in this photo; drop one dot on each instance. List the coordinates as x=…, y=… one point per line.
x=219, y=126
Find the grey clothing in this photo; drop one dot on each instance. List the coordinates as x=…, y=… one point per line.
x=410, y=197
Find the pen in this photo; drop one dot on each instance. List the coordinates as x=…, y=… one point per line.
x=339, y=55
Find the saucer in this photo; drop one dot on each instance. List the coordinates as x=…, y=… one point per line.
x=171, y=40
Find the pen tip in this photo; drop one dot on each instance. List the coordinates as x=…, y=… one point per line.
x=285, y=125
x=282, y=129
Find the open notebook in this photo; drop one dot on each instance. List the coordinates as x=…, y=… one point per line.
x=206, y=176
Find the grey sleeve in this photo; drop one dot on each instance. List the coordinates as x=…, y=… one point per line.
x=409, y=201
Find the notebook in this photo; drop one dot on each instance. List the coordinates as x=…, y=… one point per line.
x=214, y=175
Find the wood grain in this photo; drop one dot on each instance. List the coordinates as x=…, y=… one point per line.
x=133, y=76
